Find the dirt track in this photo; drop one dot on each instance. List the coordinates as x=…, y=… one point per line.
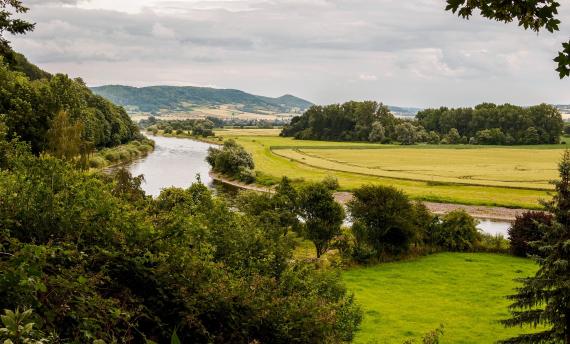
x=482, y=212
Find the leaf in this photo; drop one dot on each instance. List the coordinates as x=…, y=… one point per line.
x=174, y=339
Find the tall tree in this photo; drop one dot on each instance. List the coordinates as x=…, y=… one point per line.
x=322, y=214
x=545, y=298
x=530, y=14
x=14, y=26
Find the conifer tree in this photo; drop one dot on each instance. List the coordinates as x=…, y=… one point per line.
x=544, y=300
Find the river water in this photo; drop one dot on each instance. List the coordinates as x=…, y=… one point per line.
x=177, y=162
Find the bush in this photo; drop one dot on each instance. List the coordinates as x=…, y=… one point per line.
x=331, y=182
x=492, y=243
x=457, y=232
x=232, y=159
x=246, y=175
x=527, y=228
x=97, y=162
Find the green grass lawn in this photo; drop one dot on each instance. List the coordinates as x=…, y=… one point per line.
x=463, y=291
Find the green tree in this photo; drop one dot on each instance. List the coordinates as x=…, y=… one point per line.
x=543, y=298
x=64, y=137
x=377, y=134
x=322, y=214
x=384, y=218
x=10, y=25
x=406, y=133
x=534, y=15
x=453, y=136
x=457, y=232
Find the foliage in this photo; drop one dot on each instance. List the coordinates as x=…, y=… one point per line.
x=10, y=25
x=232, y=160
x=496, y=243
x=351, y=121
x=383, y=219
x=31, y=107
x=543, y=298
x=432, y=337
x=19, y=328
x=406, y=133
x=98, y=260
x=331, y=182
x=323, y=216
x=457, y=232
x=533, y=15
x=493, y=124
x=528, y=228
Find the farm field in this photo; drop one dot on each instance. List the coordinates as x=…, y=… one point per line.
x=463, y=291
x=477, y=175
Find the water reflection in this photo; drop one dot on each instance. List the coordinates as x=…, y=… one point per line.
x=174, y=162
x=494, y=227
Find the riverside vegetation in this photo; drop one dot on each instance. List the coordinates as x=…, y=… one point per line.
x=87, y=257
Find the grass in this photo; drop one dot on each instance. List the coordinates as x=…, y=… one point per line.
x=514, y=177
x=463, y=291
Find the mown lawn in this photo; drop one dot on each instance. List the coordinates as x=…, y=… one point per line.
x=463, y=291
x=446, y=169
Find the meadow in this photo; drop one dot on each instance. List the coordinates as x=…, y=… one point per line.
x=516, y=177
x=463, y=291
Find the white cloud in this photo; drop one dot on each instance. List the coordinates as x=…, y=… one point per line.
x=409, y=52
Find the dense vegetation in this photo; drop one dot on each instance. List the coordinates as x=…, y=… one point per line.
x=497, y=124
x=171, y=98
x=543, y=298
x=486, y=124
x=97, y=259
x=30, y=108
x=232, y=160
x=194, y=127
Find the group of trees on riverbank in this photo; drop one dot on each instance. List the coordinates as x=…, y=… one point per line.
x=486, y=124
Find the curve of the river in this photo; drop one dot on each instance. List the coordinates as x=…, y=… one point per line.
x=178, y=161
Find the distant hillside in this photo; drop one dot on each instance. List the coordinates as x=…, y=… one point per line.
x=156, y=99
x=404, y=111
x=565, y=109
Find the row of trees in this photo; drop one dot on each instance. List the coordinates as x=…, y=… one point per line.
x=196, y=127
x=486, y=124
x=497, y=124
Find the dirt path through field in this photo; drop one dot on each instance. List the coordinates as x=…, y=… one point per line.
x=481, y=212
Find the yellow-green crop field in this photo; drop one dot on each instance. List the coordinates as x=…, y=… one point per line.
x=480, y=175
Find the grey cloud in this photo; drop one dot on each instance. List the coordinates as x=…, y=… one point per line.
x=414, y=52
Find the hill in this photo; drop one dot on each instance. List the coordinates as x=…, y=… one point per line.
x=156, y=99
x=32, y=98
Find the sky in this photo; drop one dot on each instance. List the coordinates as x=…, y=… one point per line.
x=400, y=52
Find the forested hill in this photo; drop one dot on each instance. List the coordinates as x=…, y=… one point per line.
x=172, y=98
x=32, y=99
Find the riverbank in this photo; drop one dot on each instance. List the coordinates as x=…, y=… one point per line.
x=122, y=154
x=479, y=212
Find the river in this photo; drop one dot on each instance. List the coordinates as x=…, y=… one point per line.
x=177, y=162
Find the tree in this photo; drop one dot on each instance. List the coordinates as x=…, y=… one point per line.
x=232, y=160
x=322, y=214
x=457, y=232
x=406, y=133
x=528, y=227
x=11, y=25
x=543, y=298
x=384, y=219
x=64, y=137
x=453, y=136
x=377, y=134
x=534, y=15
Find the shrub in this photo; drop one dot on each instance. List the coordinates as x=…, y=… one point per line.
x=457, y=232
x=230, y=159
x=527, y=228
x=492, y=243
x=331, y=182
x=97, y=162
x=246, y=175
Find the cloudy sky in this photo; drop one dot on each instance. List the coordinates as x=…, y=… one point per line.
x=401, y=52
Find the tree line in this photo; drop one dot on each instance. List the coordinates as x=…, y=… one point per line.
x=486, y=124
